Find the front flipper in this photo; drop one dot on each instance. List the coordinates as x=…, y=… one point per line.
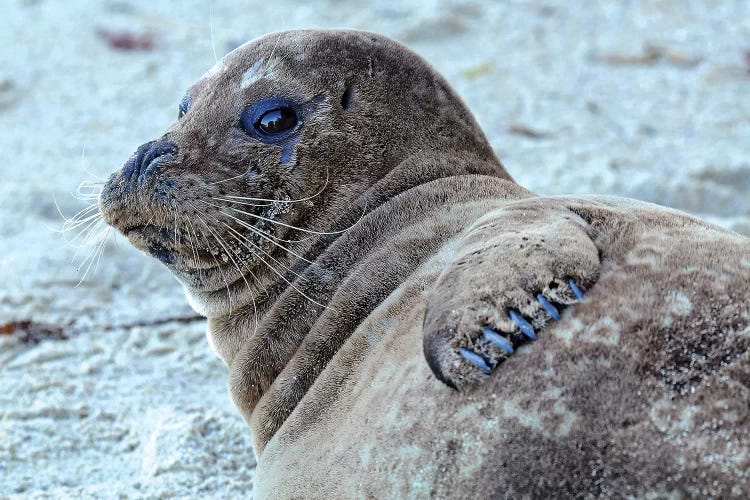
x=516, y=270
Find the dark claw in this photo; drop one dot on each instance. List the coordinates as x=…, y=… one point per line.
x=576, y=291
x=497, y=339
x=524, y=325
x=547, y=305
x=475, y=359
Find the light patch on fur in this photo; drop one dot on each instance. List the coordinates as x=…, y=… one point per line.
x=568, y=417
x=565, y=331
x=440, y=260
x=526, y=417
x=604, y=329
x=378, y=329
x=250, y=75
x=489, y=217
x=647, y=255
x=321, y=274
x=549, y=371
x=216, y=69
x=667, y=418
x=196, y=303
x=679, y=304
x=557, y=421
x=210, y=338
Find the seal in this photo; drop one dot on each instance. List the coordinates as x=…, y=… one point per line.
x=401, y=319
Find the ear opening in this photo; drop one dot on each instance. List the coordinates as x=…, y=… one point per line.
x=347, y=97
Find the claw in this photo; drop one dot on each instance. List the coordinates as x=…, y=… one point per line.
x=576, y=291
x=547, y=305
x=475, y=359
x=524, y=325
x=497, y=339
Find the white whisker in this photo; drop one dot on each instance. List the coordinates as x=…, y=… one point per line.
x=246, y=203
x=211, y=28
x=90, y=231
x=307, y=198
x=268, y=254
x=229, y=293
x=227, y=180
x=260, y=217
x=260, y=233
x=278, y=273
x=226, y=283
x=94, y=256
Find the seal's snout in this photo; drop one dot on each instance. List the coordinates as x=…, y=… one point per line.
x=146, y=160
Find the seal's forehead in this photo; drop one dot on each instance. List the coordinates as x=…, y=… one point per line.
x=326, y=51
x=256, y=59
x=303, y=62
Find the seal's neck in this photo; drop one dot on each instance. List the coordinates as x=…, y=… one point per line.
x=222, y=306
x=310, y=319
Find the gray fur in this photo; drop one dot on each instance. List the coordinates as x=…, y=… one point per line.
x=641, y=389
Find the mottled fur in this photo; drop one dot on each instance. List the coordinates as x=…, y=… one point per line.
x=643, y=388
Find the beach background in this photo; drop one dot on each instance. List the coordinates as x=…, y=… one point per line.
x=108, y=387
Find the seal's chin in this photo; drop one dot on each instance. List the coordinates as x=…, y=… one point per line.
x=170, y=246
x=195, y=267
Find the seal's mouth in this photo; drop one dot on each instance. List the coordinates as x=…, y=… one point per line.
x=172, y=247
x=189, y=256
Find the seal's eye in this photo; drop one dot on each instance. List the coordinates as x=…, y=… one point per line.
x=272, y=119
x=184, y=106
x=276, y=121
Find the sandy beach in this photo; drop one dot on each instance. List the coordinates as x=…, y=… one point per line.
x=109, y=388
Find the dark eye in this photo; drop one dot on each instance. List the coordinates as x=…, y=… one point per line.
x=272, y=119
x=184, y=106
x=276, y=121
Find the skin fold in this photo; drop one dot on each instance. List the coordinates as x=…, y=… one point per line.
x=348, y=264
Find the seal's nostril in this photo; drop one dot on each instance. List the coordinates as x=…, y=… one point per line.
x=132, y=167
x=157, y=150
x=147, y=159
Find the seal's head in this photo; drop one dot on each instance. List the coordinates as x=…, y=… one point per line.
x=274, y=144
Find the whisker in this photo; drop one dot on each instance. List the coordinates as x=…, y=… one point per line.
x=80, y=238
x=279, y=223
x=83, y=165
x=192, y=245
x=259, y=233
x=176, y=223
x=79, y=219
x=88, y=190
x=229, y=293
x=211, y=28
x=227, y=180
x=87, y=227
x=93, y=256
x=252, y=295
x=277, y=272
x=284, y=266
x=307, y=198
x=83, y=222
x=91, y=230
x=246, y=203
x=75, y=217
x=105, y=240
x=268, y=59
x=275, y=238
x=224, y=277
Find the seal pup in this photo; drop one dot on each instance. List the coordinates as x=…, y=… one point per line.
x=373, y=277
